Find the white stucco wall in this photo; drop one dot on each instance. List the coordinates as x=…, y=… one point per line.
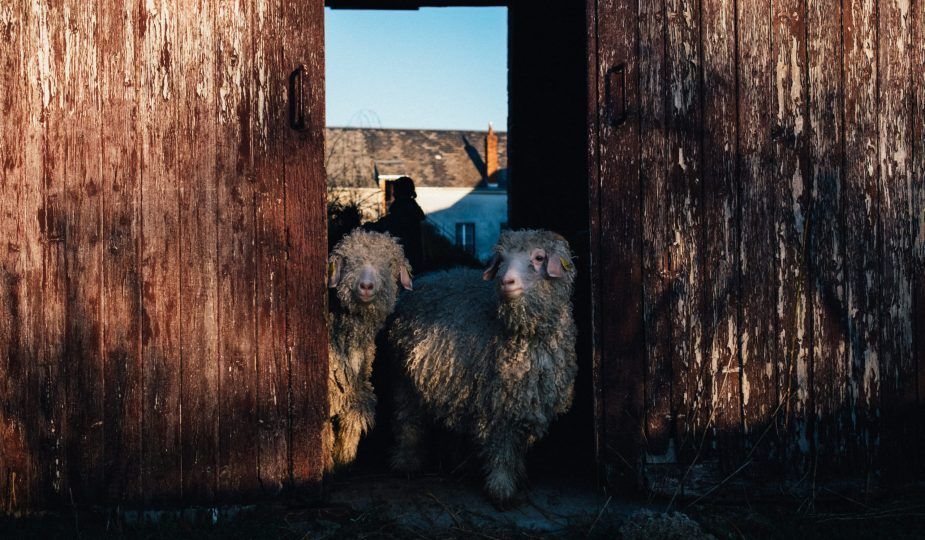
x=446, y=206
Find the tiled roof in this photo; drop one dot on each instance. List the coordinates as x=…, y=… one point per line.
x=435, y=158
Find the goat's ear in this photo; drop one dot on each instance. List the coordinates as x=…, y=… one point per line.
x=489, y=273
x=558, y=264
x=405, y=277
x=334, y=271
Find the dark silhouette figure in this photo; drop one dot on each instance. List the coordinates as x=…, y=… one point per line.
x=403, y=221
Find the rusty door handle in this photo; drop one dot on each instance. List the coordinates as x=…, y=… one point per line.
x=298, y=99
x=615, y=93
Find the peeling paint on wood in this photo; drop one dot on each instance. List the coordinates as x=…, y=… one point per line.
x=684, y=213
x=720, y=224
x=656, y=244
x=618, y=244
x=827, y=234
x=791, y=192
x=160, y=245
x=758, y=245
x=862, y=223
x=898, y=371
x=823, y=200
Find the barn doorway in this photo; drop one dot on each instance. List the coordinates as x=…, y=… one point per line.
x=546, y=183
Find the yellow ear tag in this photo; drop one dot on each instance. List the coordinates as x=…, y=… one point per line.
x=331, y=268
x=565, y=264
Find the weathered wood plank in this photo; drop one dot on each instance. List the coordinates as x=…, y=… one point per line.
x=18, y=192
x=619, y=269
x=52, y=465
x=268, y=122
x=303, y=161
x=918, y=216
x=236, y=254
x=862, y=223
x=720, y=232
x=656, y=245
x=160, y=245
x=757, y=238
x=791, y=189
x=196, y=112
x=827, y=234
x=30, y=297
x=684, y=221
x=592, y=121
x=120, y=265
x=898, y=373
x=82, y=361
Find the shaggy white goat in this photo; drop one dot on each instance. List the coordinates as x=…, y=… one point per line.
x=494, y=361
x=363, y=270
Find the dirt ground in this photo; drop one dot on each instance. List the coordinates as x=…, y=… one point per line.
x=442, y=507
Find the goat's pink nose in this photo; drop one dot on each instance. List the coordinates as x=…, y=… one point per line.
x=508, y=280
x=366, y=286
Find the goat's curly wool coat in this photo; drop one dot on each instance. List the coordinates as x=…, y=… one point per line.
x=497, y=371
x=353, y=326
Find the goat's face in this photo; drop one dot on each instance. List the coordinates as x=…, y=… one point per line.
x=364, y=281
x=524, y=260
x=365, y=266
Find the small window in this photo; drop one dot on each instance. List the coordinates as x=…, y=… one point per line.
x=465, y=237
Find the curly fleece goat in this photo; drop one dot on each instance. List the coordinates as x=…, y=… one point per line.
x=363, y=270
x=494, y=361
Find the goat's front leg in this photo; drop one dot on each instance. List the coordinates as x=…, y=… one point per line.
x=408, y=424
x=355, y=420
x=503, y=453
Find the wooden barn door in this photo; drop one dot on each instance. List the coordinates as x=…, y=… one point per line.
x=162, y=337
x=758, y=216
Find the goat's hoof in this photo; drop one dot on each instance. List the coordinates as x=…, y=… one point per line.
x=504, y=503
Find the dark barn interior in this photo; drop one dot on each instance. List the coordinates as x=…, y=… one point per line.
x=548, y=171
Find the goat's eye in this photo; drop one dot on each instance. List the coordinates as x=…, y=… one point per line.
x=539, y=258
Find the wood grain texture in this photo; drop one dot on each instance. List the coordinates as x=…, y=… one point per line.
x=18, y=256
x=619, y=206
x=133, y=348
x=268, y=122
x=656, y=244
x=594, y=228
x=684, y=213
x=196, y=130
x=758, y=242
x=829, y=314
x=302, y=31
x=52, y=65
x=862, y=219
x=720, y=230
x=918, y=217
x=121, y=291
x=81, y=346
x=791, y=189
x=160, y=251
x=236, y=253
x=898, y=371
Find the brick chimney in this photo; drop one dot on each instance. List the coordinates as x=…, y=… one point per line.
x=491, y=156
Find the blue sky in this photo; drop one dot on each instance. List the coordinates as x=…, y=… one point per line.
x=435, y=68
